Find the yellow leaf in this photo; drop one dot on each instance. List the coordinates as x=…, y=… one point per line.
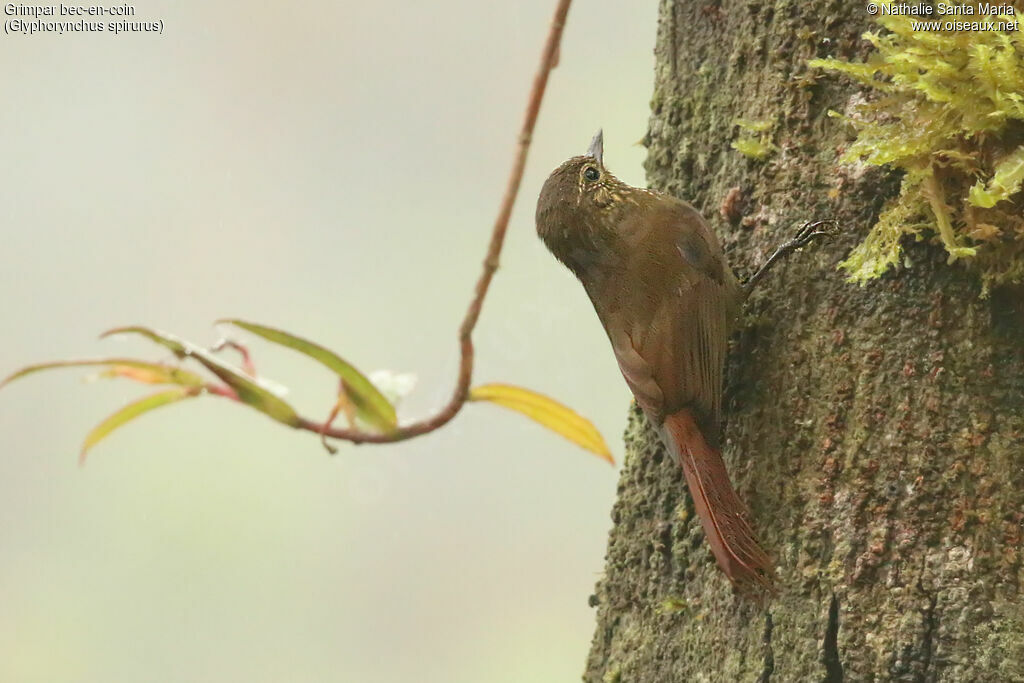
x=548, y=412
x=147, y=375
x=132, y=411
x=138, y=370
x=251, y=391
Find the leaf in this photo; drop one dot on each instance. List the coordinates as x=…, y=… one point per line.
x=546, y=411
x=178, y=346
x=250, y=391
x=371, y=405
x=132, y=411
x=141, y=371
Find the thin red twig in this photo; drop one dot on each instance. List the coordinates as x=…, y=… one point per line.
x=243, y=351
x=549, y=58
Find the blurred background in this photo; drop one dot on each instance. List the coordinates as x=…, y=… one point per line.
x=332, y=168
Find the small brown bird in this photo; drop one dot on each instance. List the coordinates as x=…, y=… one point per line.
x=661, y=287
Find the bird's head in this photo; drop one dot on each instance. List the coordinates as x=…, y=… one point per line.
x=578, y=203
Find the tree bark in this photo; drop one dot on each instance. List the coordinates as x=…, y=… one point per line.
x=877, y=433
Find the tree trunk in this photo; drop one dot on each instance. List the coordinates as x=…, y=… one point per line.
x=877, y=433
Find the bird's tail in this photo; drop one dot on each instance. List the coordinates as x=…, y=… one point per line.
x=722, y=515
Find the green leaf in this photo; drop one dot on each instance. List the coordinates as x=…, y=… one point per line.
x=140, y=371
x=178, y=346
x=132, y=411
x=249, y=391
x=370, y=403
x=548, y=412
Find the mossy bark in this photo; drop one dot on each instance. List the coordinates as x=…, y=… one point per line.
x=877, y=433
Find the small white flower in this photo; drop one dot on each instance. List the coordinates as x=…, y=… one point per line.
x=395, y=386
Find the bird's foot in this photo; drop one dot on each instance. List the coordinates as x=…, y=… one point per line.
x=807, y=233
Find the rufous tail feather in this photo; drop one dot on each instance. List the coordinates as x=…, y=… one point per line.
x=722, y=515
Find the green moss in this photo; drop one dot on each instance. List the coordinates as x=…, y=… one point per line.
x=997, y=648
x=672, y=605
x=754, y=148
x=948, y=111
x=613, y=675
x=754, y=126
x=760, y=147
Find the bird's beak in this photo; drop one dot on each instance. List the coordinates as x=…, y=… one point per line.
x=597, y=147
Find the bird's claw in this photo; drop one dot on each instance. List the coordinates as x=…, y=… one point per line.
x=809, y=231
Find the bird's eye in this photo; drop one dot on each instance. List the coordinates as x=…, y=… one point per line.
x=591, y=173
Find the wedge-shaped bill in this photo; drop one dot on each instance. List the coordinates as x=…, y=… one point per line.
x=250, y=391
x=370, y=404
x=548, y=412
x=132, y=411
x=138, y=370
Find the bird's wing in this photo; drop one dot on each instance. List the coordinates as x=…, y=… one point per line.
x=674, y=353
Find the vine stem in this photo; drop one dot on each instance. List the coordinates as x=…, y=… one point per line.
x=549, y=59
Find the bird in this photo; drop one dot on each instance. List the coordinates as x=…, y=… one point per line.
x=660, y=284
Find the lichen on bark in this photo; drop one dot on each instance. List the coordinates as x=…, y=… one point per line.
x=877, y=433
